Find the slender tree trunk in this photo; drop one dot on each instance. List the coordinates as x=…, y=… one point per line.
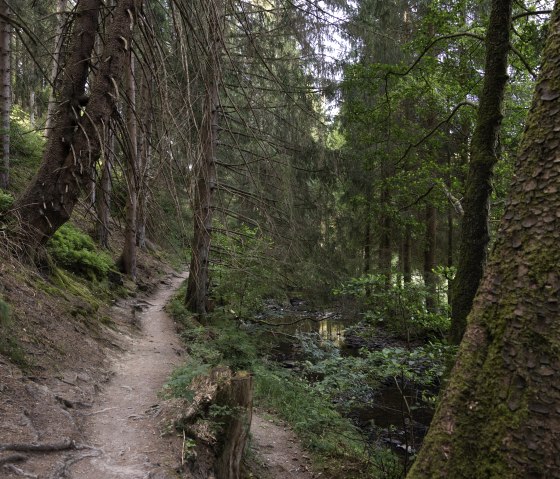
x=103, y=195
x=57, y=55
x=128, y=258
x=71, y=152
x=197, y=287
x=5, y=108
x=474, y=229
x=406, y=263
x=430, y=279
x=498, y=417
x=385, y=252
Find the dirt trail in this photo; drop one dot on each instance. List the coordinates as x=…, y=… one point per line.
x=278, y=451
x=123, y=424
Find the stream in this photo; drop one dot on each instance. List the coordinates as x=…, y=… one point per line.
x=393, y=415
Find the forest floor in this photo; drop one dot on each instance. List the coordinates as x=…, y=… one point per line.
x=103, y=418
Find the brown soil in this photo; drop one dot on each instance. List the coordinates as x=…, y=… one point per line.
x=88, y=400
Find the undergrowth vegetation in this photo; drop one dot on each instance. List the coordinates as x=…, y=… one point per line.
x=334, y=441
x=76, y=251
x=9, y=346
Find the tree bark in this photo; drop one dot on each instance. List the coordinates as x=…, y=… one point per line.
x=5, y=108
x=128, y=257
x=474, y=229
x=498, y=417
x=103, y=195
x=75, y=143
x=55, y=68
x=430, y=279
x=406, y=262
x=385, y=252
x=205, y=167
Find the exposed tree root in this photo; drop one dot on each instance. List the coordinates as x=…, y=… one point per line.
x=63, y=445
x=61, y=470
x=19, y=472
x=12, y=458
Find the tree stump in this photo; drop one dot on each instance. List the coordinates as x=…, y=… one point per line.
x=237, y=397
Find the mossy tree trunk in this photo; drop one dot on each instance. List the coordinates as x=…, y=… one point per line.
x=498, y=418
x=474, y=229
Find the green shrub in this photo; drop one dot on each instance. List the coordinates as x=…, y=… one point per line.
x=75, y=251
x=6, y=201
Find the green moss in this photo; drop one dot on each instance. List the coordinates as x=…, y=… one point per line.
x=75, y=251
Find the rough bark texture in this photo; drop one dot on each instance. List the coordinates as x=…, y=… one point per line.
x=6, y=95
x=128, y=257
x=218, y=453
x=76, y=142
x=237, y=395
x=103, y=194
x=55, y=67
x=205, y=167
x=474, y=230
x=499, y=416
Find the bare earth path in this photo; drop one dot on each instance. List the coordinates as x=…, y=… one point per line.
x=278, y=450
x=123, y=425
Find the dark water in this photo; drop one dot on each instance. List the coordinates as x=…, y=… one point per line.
x=395, y=415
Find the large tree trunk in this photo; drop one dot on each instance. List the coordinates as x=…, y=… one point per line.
x=205, y=167
x=75, y=143
x=498, y=417
x=474, y=232
x=128, y=257
x=6, y=95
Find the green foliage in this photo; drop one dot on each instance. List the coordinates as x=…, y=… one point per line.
x=181, y=379
x=400, y=307
x=75, y=251
x=249, y=273
x=9, y=346
x=332, y=439
x=6, y=201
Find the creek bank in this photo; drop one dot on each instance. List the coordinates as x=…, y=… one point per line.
x=391, y=413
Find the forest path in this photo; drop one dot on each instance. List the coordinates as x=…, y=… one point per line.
x=276, y=450
x=123, y=425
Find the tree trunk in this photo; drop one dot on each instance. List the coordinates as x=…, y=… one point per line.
x=406, y=263
x=498, y=417
x=385, y=253
x=128, y=257
x=237, y=396
x=430, y=279
x=75, y=144
x=474, y=231
x=197, y=288
x=103, y=195
x=57, y=54
x=5, y=79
